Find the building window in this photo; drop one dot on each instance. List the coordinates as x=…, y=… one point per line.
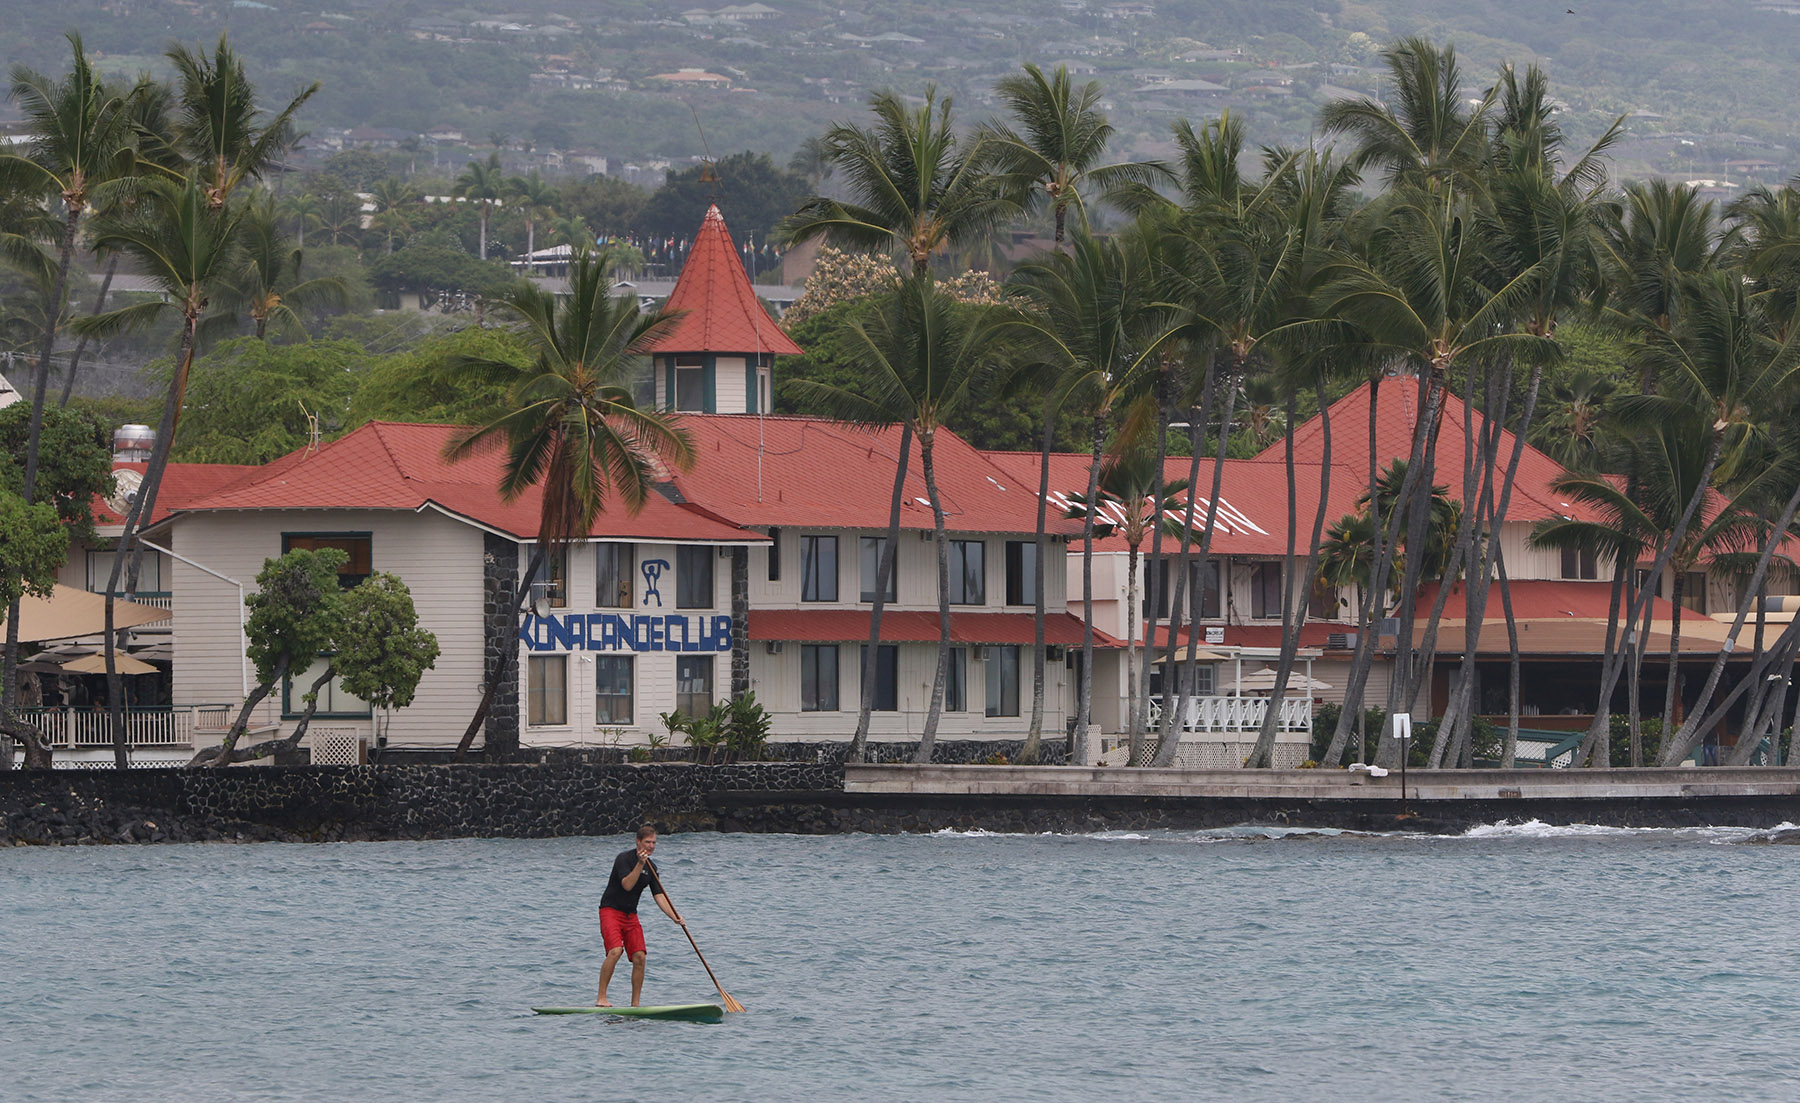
x=151, y=582
x=614, y=565
x=547, y=690
x=774, y=555
x=356, y=545
x=553, y=574
x=818, y=568
x=1003, y=681
x=1021, y=572
x=870, y=549
x=887, y=677
x=1265, y=591
x=613, y=682
x=694, y=576
x=819, y=677
x=693, y=685
x=690, y=387
x=1580, y=564
x=1693, y=591
x=333, y=701
x=968, y=572
x=1209, y=591
x=956, y=681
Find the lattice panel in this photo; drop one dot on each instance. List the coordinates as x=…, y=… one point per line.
x=335, y=747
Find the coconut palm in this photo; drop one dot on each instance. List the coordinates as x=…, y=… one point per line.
x=482, y=183
x=220, y=130
x=914, y=186
x=921, y=352
x=1652, y=240
x=269, y=288
x=536, y=200
x=1052, y=156
x=190, y=251
x=1100, y=326
x=79, y=137
x=571, y=426
x=393, y=199
x=1426, y=135
x=1133, y=500
x=305, y=211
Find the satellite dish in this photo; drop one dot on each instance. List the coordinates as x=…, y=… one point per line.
x=125, y=490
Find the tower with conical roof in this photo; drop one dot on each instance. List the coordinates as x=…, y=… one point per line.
x=718, y=356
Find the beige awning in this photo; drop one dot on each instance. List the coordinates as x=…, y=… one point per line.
x=96, y=664
x=68, y=613
x=1264, y=681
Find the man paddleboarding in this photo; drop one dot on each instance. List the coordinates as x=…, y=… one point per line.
x=619, y=926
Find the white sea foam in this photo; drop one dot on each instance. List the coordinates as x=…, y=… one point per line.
x=1538, y=829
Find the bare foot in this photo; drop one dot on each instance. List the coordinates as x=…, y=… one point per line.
x=602, y=1003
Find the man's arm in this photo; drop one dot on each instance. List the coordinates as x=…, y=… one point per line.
x=668, y=909
x=630, y=880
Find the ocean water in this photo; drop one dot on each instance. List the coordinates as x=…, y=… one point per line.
x=1517, y=962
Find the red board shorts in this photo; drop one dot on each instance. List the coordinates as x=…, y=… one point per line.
x=618, y=929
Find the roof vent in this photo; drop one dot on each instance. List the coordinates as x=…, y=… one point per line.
x=133, y=443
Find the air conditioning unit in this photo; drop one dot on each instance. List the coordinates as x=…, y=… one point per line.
x=1388, y=626
x=1340, y=641
x=977, y=654
x=1053, y=654
x=773, y=647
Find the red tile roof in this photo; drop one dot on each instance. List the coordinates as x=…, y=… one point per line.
x=1312, y=634
x=181, y=483
x=1396, y=414
x=779, y=471
x=912, y=626
x=1548, y=600
x=1252, y=516
x=392, y=466
x=722, y=312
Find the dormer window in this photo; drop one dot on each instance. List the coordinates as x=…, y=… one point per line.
x=690, y=385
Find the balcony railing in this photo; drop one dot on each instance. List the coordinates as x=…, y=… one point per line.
x=144, y=727
x=1241, y=714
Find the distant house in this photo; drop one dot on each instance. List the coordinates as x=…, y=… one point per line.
x=443, y=135
x=694, y=78
x=375, y=137
x=742, y=13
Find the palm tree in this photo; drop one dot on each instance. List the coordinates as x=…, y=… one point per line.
x=1134, y=500
x=1426, y=137
x=921, y=352
x=1570, y=433
x=79, y=138
x=1053, y=157
x=306, y=211
x=219, y=128
x=571, y=425
x=188, y=250
x=1100, y=326
x=914, y=187
x=392, y=199
x=483, y=184
x=1652, y=240
x=269, y=287
x=536, y=200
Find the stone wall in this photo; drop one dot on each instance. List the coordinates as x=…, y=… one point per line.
x=500, y=629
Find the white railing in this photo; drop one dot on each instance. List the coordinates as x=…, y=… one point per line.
x=155, y=601
x=1245, y=714
x=167, y=727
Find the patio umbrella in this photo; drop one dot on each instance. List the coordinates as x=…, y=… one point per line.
x=96, y=664
x=1263, y=681
x=69, y=612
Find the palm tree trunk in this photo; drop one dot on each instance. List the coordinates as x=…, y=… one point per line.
x=1165, y=754
x=508, y=653
x=1750, y=596
x=1415, y=492
x=1672, y=690
x=1078, y=750
x=143, y=510
x=1509, y=756
x=81, y=342
x=1134, y=737
x=883, y=572
x=1034, y=735
x=1157, y=574
x=484, y=220
x=53, y=311
x=1360, y=660
x=928, y=736
x=1168, y=739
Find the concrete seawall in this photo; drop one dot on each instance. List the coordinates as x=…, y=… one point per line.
x=542, y=801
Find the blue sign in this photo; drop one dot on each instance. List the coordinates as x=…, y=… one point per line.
x=653, y=569
x=621, y=632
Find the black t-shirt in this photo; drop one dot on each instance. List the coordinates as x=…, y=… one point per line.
x=617, y=896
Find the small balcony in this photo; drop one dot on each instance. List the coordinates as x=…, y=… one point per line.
x=176, y=726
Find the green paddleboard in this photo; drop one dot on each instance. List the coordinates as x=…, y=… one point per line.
x=683, y=1012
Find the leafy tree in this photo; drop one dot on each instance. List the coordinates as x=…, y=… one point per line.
x=607, y=204
x=250, y=401
x=416, y=385
x=748, y=187
x=76, y=464
x=422, y=265
x=34, y=542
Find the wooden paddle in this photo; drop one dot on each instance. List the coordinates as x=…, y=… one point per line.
x=656, y=886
